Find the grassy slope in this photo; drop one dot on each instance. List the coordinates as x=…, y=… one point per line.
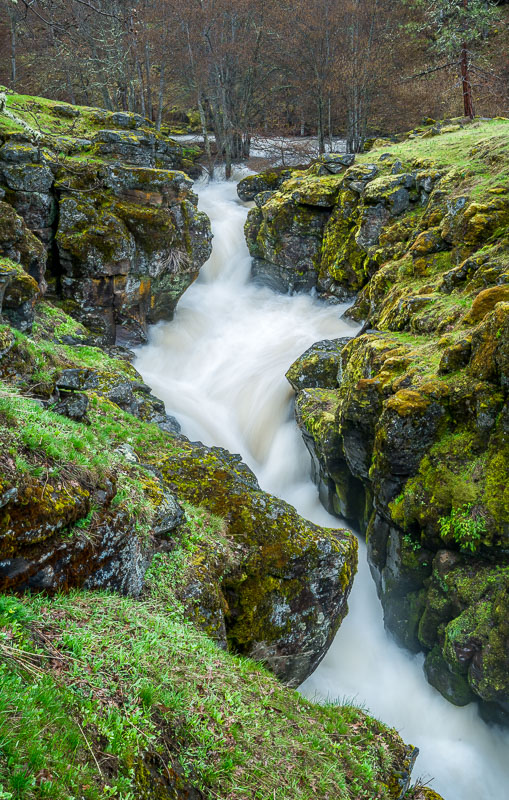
x=480, y=150
x=90, y=682
x=62, y=133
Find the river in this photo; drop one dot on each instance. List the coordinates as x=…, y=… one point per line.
x=219, y=366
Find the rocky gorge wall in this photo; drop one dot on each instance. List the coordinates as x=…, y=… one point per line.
x=407, y=423
x=97, y=204
x=134, y=563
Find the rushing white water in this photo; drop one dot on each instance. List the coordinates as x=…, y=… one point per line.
x=219, y=366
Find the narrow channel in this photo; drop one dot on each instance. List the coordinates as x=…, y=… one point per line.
x=220, y=368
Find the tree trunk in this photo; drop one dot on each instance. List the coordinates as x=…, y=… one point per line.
x=72, y=96
x=466, y=85
x=13, y=53
x=321, y=133
x=149, y=83
x=206, y=140
x=468, y=104
x=329, y=124
x=142, y=88
x=159, y=119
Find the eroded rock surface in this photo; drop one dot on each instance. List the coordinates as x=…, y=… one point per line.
x=110, y=221
x=407, y=423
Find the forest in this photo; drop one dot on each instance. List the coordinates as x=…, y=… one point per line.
x=354, y=68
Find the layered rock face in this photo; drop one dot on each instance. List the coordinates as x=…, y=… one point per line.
x=128, y=247
x=408, y=422
x=112, y=217
x=321, y=227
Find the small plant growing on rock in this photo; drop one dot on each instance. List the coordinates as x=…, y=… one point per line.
x=466, y=525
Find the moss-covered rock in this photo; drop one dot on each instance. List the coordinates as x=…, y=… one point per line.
x=18, y=294
x=129, y=251
x=269, y=181
x=86, y=501
x=289, y=596
x=410, y=437
x=116, y=221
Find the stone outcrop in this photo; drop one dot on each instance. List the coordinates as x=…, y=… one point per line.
x=128, y=247
x=106, y=215
x=407, y=425
x=321, y=228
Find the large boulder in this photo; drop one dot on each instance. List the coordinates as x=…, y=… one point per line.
x=288, y=594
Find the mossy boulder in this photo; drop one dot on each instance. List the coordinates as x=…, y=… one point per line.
x=129, y=252
x=269, y=181
x=286, y=236
x=486, y=302
x=318, y=366
x=289, y=596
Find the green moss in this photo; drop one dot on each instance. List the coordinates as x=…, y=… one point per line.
x=341, y=257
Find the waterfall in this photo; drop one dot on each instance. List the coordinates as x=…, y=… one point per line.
x=219, y=366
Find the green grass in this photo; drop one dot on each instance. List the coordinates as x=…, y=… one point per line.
x=93, y=681
x=480, y=152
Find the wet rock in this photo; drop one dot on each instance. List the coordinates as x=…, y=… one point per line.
x=408, y=438
x=19, y=153
x=372, y=222
x=263, y=197
x=270, y=181
x=281, y=279
x=27, y=177
x=318, y=366
x=74, y=406
x=167, y=423
x=284, y=237
x=490, y=347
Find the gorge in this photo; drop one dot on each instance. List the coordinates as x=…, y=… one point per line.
x=230, y=345
x=170, y=572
